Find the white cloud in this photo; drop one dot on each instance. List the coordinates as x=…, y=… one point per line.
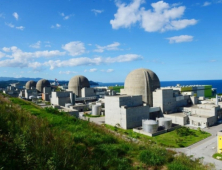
x=47, y=45
x=207, y=3
x=6, y=49
x=126, y=14
x=162, y=17
x=67, y=72
x=65, y=17
x=109, y=70
x=15, y=14
x=91, y=61
x=10, y=25
x=74, y=48
x=123, y=58
x=96, y=11
x=20, y=28
x=36, y=45
x=109, y=47
x=92, y=70
x=56, y=26
x=181, y=38
x=2, y=54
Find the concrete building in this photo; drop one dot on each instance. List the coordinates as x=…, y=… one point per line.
x=219, y=142
x=41, y=84
x=194, y=90
x=30, y=85
x=77, y=83
x=185, y=109
x=127, y=111
x=141, y=82
x=61, y=98
x=87, y=92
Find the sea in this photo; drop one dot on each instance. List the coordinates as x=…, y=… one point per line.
x=217, y=84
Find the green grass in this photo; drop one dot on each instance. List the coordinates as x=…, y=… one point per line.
x=116, y=88
x=36, y=138
x=216, y=155
x=169, y=139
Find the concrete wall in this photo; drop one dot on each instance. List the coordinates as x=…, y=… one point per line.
x=47, y=90
x=87, y=92
x=177, y=119
x=127, y=111
x=60, y=98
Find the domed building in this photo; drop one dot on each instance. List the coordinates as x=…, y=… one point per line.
x=30, y=85
x=141, y=82
x=77, y=83
x=41, y=84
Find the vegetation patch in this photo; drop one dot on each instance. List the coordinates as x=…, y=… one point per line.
x=217, y=156
x=36, y=138
x=116, y=88
x=178, y=138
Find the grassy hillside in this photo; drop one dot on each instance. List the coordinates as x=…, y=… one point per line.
x=35, y=138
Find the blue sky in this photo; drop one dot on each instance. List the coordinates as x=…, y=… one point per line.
x=106, y=39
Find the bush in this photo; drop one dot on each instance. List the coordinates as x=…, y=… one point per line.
x=153, y=156
x=177, y=166
x=184, y=131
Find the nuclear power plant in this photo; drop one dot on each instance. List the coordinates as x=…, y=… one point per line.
x=142, y=105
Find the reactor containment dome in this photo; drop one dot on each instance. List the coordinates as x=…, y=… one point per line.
x=41, y=84
x=30, y=84
x=77, y=83
x=141, y=82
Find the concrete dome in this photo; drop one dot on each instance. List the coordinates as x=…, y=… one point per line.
x=30, y=84
x=142, y=82
x=77, y=83
x=41, y=84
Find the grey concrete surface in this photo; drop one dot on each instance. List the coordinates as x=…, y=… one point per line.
x=205, y=148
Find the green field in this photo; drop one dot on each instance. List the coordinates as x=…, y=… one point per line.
x=36, y=138
x=170, y=139
x=116, y=88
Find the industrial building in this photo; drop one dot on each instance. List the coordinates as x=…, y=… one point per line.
x=127, y=111
x=141, y=82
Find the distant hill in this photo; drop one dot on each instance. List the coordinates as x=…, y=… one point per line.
x=5, y=81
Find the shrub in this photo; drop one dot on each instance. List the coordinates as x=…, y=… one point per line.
x=153, y=156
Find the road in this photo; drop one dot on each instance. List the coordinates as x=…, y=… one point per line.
x=205, y=148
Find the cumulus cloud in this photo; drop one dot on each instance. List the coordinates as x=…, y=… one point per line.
x=20, y=28
x=36, y=45
x=9, y=25
x=67, y=72
x=126, y=14
x=96, y=11
x=56, y=26
x=108, y=70
x=207, y=3
x=180, y=39
x=162, y=17
x=74, y=48
x=15, y=15
x=6, y=49
x=109, y=47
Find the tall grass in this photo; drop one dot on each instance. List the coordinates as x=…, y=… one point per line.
x=35, y=138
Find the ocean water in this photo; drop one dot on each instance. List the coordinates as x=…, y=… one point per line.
x=215, y=83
